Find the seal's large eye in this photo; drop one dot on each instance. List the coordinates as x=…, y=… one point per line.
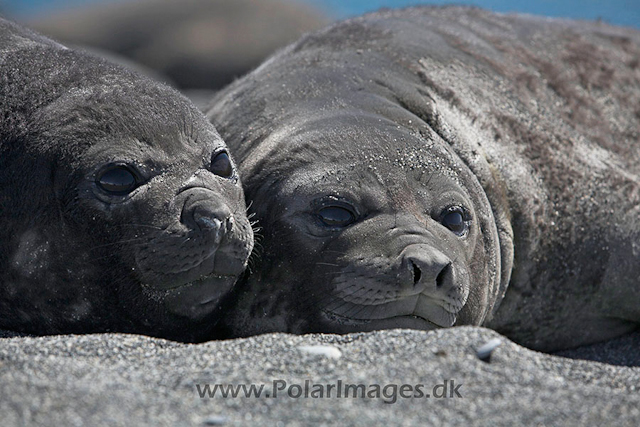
x=454, y=219
x=336, y=216
x=118, y=180
x=221, y=165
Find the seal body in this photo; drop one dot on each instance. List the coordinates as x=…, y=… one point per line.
x=120, y=207
x=431, y=167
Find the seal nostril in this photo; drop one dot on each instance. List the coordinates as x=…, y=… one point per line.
x=417, y=274
x=201, y=214
x=206, y=222
x=442, y=276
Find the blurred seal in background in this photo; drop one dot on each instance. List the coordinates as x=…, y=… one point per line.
x=199, y=45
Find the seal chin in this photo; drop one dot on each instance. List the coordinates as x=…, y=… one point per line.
x=424, y=314
x=343, y=324
x=403, y=312
x=195, y=299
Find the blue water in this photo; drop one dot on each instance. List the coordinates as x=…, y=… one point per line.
x=620, y=12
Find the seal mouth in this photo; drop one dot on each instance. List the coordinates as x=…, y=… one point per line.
x=402, y=312
x=410, y=321
x=194, y=299
x=199, y=281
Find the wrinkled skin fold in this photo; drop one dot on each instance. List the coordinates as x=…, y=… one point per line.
x=432, y=167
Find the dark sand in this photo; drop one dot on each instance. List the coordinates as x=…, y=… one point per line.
x=116, y=379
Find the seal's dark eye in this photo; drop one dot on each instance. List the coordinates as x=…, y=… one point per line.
x=117, y=180
x=221, y=165
x=453, y=219
x=336, y=216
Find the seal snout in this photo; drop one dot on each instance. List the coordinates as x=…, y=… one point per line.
x=428, y=270
x=206, y=241
x=431, y=276
x=206, y=215
x=209, y=219
x=212, y=225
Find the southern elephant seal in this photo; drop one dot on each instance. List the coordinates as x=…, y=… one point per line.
x=120, y=207
x=442, y=166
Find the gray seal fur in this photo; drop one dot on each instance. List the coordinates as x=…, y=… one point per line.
x=120, y=207
x=357, y=141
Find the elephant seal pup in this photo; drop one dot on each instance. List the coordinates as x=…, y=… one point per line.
x=121, y=209
x=432, y=167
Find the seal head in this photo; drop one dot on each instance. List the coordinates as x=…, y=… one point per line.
x=368, y=225
x=393, y=224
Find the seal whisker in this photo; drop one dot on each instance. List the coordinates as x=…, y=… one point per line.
x=155, y=227
x=332, y=251
x=360, y=308
x=329, y=273
x=329, y=299
x=119, y=242
x=318, y=301
x=343, y=297
x=310, y=311
x=255, y=258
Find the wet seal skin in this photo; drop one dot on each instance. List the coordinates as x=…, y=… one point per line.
x=433, y=167
x=120, y=205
